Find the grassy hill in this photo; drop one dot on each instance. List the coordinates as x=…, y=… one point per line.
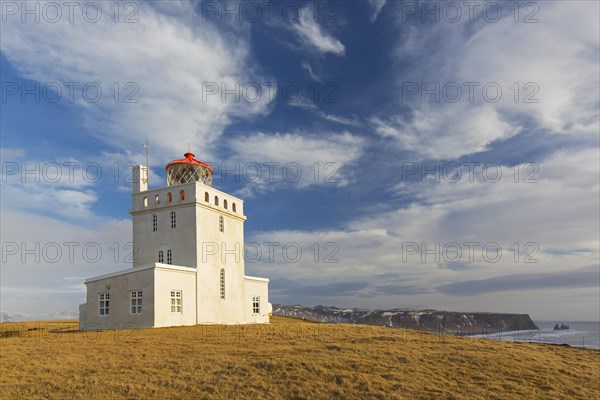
x=288, y=359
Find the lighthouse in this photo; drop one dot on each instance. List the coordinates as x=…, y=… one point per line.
x=188, y=259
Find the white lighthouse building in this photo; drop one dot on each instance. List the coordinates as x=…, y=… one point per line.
x=188, y=259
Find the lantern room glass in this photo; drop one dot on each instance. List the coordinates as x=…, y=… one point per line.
x=178, y=174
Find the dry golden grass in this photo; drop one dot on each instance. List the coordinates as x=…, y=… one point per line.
x=289, y=359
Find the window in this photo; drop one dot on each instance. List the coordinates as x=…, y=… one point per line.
x=255, y=305
x=136, y=302
x=233, y=207
x=216, y=200
x=169, y=257
x=157, y=199
x=145, y=202
x=104, y=299
x=169, y=197
x=222, y=283
x=182, y=195
x=161, y=256
x=176, y=301
x=221, y=224
x=206, y=197
x=173, y=219
x=154, y=222
x=225, y=204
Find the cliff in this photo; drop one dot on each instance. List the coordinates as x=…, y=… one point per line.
x=461, y=323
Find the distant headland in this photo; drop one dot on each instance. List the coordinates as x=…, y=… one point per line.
x=461, y=323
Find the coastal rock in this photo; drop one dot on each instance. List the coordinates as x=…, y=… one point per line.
x=461, y=323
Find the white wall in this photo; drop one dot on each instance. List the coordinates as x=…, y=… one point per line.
x=256, y=287
x=218, y=250
x=156, y=282
x=119, y=287
x=193, y=222
x=167, y=280
x=181, y=239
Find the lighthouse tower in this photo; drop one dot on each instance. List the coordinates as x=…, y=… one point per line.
x=188, y=258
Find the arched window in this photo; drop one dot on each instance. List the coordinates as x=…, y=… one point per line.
x=233, y=207
x=157, y=199
x=222, y=283
x=161, y=256
x=216, y=201
x=145, y=203
x=225, y=203
x=182, y=195
x=169, y=257
x=206, y=197
x=173, y=219
x=221, y=224
x=154, y=222
x=169, y=197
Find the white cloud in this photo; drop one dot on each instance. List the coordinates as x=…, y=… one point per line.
x=311, y=106
x=170, y=55
x=376, y=6
x=45, y=260
x=559, y=214
x=9, y=154
x=73, y=204
x=312, y=35
x=304, y=103
x=62, y=187
x=444, y=132
x=306, y=65
x=352, y=121
x=332, y=153
x=558, y=59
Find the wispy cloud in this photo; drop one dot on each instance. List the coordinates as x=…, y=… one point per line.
x=442, y=132
x=352, y=121
x=313, y=37
x=311, y=106
x=302, y=150
x=376, y=6
x=169, y=56
x=306, y=65
x=65, y=189
x=551, y=84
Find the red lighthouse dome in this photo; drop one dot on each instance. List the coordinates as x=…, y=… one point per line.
x=187, y=170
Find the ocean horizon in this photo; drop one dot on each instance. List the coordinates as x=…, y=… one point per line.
x=580, y=334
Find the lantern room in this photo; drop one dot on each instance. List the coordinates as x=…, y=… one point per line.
x=187, y=170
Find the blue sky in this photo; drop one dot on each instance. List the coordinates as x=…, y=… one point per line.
x=388, y=90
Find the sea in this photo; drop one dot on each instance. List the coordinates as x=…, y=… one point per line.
x=580, y=334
